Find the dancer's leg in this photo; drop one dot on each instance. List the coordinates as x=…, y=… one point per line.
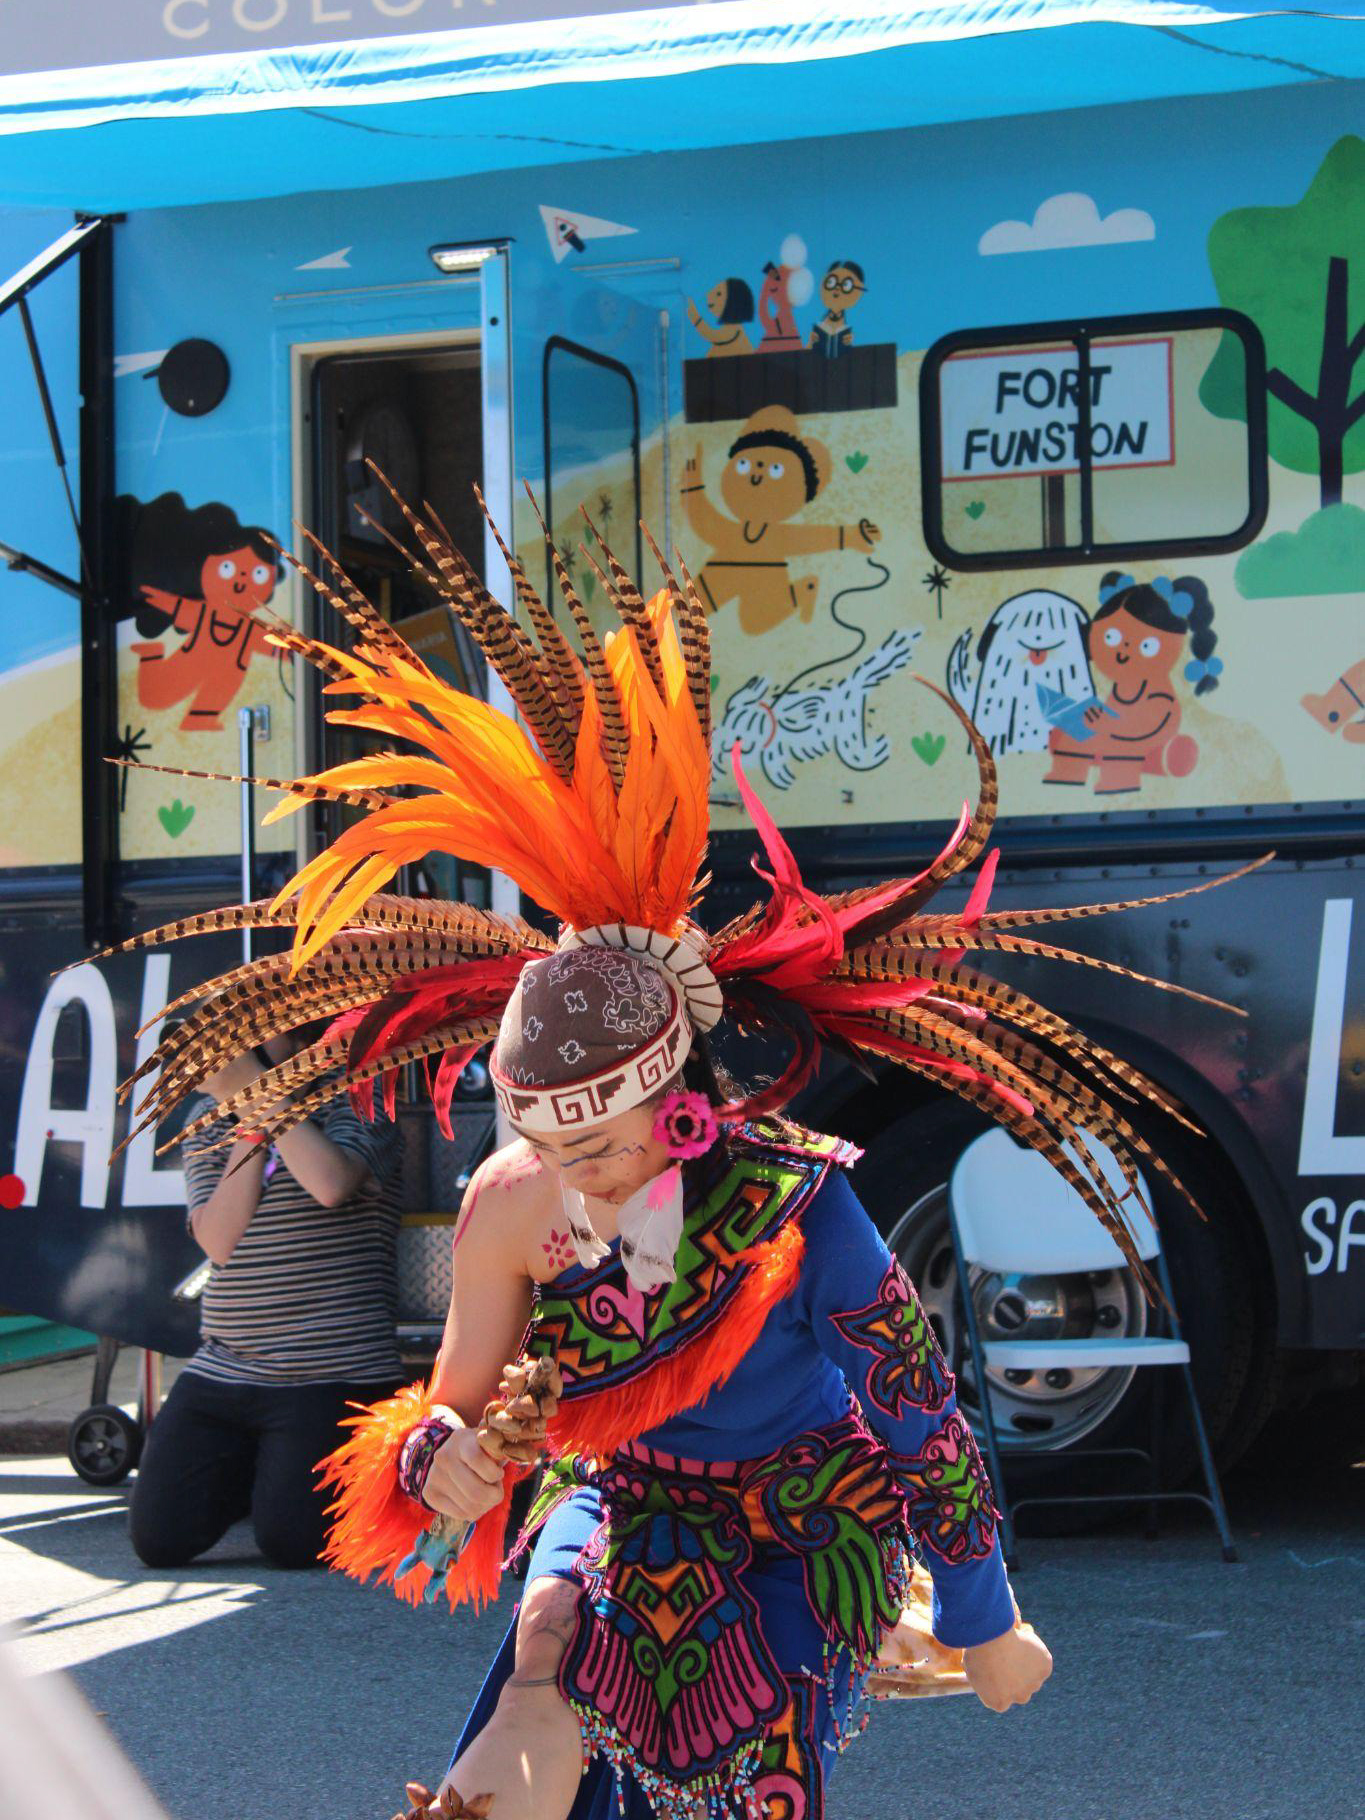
x=529, y=1755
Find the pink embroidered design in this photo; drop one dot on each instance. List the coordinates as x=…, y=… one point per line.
x=685, y=1124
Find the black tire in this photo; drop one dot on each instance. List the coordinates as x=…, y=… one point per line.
x=104, y=1444
x=1220, y=1289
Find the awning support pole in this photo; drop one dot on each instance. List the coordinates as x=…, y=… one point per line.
x=99, y=679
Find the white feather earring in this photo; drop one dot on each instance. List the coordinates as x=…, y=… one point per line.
x=650, y=1223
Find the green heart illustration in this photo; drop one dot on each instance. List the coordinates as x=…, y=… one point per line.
x=857, y=461
x=929, y=746
x=975, y=508
x=176, y=818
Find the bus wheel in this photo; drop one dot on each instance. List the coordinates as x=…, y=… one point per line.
x=1041, y=1414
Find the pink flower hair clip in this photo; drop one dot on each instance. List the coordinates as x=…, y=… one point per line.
x=685, y=1124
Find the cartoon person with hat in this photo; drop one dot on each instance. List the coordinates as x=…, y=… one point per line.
x=773, y=471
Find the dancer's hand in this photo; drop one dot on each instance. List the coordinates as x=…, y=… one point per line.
x=462, y=1480
x=1009, y=1670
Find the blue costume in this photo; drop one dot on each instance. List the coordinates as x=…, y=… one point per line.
x=789, y=1495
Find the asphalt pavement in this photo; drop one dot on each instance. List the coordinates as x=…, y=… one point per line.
x=1185, y=1689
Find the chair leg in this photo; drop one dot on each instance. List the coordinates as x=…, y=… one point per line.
x=1154, y=1454
x=1220, y=1515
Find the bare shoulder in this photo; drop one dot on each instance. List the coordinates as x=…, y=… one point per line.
x=512, y=1197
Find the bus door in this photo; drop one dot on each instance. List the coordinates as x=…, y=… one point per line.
x=410, y=381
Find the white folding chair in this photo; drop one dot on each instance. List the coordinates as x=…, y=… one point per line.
x=1010, y=1211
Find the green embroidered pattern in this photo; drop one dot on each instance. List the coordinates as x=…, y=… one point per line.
x=603, y=1330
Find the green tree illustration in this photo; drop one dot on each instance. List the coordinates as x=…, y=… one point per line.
x=1289, y=269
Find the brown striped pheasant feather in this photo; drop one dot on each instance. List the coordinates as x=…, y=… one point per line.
x=595, y=804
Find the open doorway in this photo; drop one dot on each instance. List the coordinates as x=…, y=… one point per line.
x=417, y=413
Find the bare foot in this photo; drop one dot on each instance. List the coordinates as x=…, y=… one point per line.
x=423, y=1805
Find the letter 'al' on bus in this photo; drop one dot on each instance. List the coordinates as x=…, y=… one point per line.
x=1322, y=1151
x=92, y=1125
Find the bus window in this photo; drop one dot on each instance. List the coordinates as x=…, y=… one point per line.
x=592, y=456
x=1087, y=442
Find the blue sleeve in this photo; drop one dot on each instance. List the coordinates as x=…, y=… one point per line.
x=867, y=1318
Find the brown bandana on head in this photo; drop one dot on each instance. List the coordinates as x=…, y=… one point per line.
x=589, y=1033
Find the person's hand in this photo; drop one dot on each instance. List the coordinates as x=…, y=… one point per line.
x=1093, y=715
x=864, y=535
x=1009, y=1670
x=693, y=313
x=462, y=1481
x=691, y=474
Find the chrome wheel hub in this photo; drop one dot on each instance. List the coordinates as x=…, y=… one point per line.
x=1037, y=1410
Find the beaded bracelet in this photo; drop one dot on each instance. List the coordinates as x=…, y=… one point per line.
x=419, y=1449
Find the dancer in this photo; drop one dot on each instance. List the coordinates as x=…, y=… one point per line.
x=750, y=1429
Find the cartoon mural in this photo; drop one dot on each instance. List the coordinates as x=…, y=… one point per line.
x=1290, y=269
x=842, y=288
x=786, y=285
x=773, y=471
x=1135, y=641
x=806, y=369
x=1341, y=709
x=202, y=575
x=782, y=728
x=731, y=302
x=1028, y=666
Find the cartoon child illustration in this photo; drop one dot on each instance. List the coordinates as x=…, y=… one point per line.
x=771, y=473
x=202, y=574
x=842, y=288
x=731, y=302
x=1135, y=641
x=1030, y=660
x=1342, y=708
x=786, y=286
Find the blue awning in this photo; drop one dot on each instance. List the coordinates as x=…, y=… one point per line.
x=395, y=110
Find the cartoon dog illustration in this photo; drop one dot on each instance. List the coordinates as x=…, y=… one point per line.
x=784, y=729
x=1341, y=709
x=1031, y=639
x=773, y=471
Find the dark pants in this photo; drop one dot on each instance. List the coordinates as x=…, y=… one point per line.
x=219, y=1452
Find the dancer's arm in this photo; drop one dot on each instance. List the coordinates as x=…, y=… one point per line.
x=867, y=1318
x=490, y=1303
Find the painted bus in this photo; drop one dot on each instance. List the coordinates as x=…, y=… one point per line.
x=1029, y=364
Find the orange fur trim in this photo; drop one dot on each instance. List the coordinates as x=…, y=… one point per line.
x=601, y=1423
x=375, y=1525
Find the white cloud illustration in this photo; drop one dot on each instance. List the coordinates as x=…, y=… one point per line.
x=1068, y=220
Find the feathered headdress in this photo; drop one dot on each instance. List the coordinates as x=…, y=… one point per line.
x=594, y=801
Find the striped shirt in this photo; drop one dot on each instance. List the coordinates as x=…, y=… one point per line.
x=309, y=1294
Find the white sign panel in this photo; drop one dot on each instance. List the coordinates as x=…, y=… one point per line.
x=1014, y=413
x=68, y=34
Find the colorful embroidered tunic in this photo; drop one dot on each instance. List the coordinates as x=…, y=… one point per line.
x=742, y=1556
